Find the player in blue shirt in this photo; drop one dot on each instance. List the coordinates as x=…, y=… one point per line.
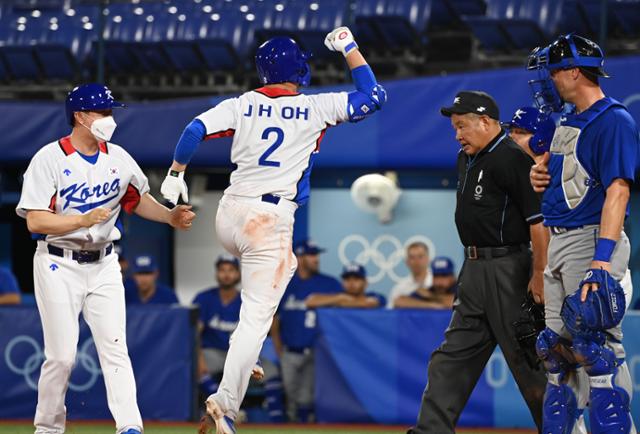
x=9, y=289
x=354, y=282
x=147, y=289
x=294, y=329
x=440, y=295
x=219, y=313
x=586, y=181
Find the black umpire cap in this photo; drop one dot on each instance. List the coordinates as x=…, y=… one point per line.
x=473, y=101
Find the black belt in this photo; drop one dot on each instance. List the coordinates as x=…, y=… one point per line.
x=473, y=252
x=271, y=198
x=81, y=256
x=557, y=230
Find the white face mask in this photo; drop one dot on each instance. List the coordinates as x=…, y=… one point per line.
x=103, y=128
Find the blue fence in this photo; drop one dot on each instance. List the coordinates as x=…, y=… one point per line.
x=371, y=366
x=161, y=346
x=408, y=133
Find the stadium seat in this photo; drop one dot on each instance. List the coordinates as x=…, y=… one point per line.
x=468, y=7
x=218, y=55
x=592, y=12
x=524, y=34
x=626, y=18
x=489, y=32
x=4, y=72
x=21, y=62
x=57, y=62
x=442, y=16
x=573, y=19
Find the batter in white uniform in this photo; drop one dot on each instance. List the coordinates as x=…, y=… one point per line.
x=276, y=134
x=72, y=195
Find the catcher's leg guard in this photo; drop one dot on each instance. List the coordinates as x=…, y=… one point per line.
x=560, y=409
x=609, y=404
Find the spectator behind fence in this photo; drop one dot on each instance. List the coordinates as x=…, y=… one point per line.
x=147, y=289
x=440, y=295
x=127, y=280
x=9, y=289
x=418, y=263
x=219, y=313
x=354, y=282
x=294, y=330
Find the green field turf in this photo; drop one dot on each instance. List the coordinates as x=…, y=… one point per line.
x=99, y=428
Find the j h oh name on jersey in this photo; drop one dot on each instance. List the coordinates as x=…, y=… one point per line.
x=286, y=112
x=79, y=194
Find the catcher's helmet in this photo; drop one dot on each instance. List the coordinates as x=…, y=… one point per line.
x=88, y=97
x=537, y=123
x=572, y=51
x=281, y=60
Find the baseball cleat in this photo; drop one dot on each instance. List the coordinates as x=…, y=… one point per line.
x=258, y=371
x=224, y=425
x=131, y=431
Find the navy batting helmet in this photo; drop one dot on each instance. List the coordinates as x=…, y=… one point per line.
x=89, y=97
x=281, y=60
x=537, y=123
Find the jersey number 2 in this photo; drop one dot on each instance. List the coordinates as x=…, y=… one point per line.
x=263, y=161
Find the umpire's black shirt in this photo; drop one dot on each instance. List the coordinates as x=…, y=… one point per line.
x=495, y=200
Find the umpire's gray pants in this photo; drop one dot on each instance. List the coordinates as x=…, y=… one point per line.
x=570, y=255
x=298, y=376
x=490, y=293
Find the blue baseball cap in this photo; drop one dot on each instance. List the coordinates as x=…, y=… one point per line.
x=306, y=247
x=442, y=266
x=227, y=259
x=144, y=264
x=353, y=270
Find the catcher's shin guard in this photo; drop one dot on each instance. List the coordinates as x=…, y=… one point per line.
x=609, y=404
x=560, y=410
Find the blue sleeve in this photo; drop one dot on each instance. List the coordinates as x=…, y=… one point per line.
x=619, y=147
x=191, y=137
x=369, y=96
x=363, y=78
x=8, y=282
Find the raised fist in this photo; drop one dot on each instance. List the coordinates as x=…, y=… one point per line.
x=340, y=39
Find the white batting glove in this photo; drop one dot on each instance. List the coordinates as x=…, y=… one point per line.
x=341, y=39
x=174, y=186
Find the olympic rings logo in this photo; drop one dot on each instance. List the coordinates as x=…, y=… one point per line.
x=384, y=254
x=30, y=366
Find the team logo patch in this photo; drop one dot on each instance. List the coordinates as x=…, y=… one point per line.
x=114, y=171
x=67, y=172
x=53, y=267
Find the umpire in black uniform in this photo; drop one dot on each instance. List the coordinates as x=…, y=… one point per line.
x=497, y=216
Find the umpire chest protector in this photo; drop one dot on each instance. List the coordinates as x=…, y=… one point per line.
x=574, y=175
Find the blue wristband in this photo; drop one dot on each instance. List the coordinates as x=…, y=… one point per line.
x=604, y=249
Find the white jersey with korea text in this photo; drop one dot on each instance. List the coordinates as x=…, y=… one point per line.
x=276, y=134
x=60, y=180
